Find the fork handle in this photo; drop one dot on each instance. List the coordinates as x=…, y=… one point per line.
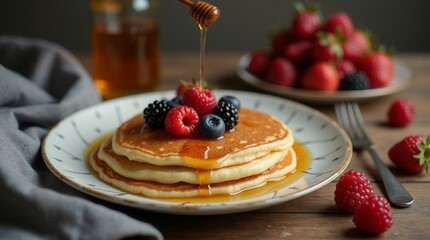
x=397, y=194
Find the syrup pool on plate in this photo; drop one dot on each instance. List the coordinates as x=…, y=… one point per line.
x=303, y=161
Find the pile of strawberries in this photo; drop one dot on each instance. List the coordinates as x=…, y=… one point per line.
x=326, y=55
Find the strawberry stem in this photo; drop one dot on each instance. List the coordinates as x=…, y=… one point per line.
x=424, y=155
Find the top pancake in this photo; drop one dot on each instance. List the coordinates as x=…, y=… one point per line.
x=256, y=135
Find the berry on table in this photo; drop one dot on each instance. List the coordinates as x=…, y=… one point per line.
x=211, y=126
x=155, y=113
x=374, y=215
x=352, y=189
x=181, y=121
x=401, y=112
x=411, y=154
x=201, y=99
x=354, y=81
x=228, y=113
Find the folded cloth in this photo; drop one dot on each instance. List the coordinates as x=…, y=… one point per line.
x=40, y=84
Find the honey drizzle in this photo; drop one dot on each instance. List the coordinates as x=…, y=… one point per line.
x=203, y=32
x=303, y=161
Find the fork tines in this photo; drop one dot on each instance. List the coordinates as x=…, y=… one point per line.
x=349, y=116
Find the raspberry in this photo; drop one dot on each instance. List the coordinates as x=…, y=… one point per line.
x=401, y=113
x=181, y=121
x=202, y=100
x=352, y=189
x=354, y=81
x=155, y=113
x=374, y=215
x=228, y=113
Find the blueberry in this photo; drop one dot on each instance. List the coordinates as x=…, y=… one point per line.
x=211, y=126
x=176, y=101
x=231, y=99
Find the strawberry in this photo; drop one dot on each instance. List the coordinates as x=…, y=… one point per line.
x=201, y=99
x=298, y=52
x=321, y=76
x=356, y=46
x=279, y=39
x=181, y=121
x=344, y=67
x=306, y=22
x=352, y=189
x=340, y=22
x=327, y=47
x=259, y=63
x=374, y=215
x=401, y=113
x=411, y=154
x=282, y=72
x=379, y=68
x=184, y=86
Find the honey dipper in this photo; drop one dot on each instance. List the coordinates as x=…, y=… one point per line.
x=203, y=13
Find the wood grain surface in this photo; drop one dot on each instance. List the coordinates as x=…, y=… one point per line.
x=313, y=216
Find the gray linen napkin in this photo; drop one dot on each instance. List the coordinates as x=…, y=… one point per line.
x=40, y=84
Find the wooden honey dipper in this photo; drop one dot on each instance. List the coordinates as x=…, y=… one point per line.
x=203, y=13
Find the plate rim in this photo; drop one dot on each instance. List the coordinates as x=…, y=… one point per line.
x=309, y=96
x=190, y=209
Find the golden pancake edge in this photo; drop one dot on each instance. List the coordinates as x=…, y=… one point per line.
x=153, y=163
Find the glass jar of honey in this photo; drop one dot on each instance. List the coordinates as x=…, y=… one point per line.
x=125, y=46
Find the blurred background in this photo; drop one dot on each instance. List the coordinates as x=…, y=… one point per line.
x=243, y=25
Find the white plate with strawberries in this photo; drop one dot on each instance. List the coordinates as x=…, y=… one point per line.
x=400, y=81
x=324, y=61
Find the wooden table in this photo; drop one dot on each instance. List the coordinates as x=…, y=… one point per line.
x=314, y=216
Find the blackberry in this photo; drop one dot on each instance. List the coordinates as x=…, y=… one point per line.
x=228, y=113
x=355, y=81
x=155, y=113
x=231, y=99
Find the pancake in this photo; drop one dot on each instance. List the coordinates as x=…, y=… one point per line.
x=284, y=166
x=174, y=174
x=256, y=135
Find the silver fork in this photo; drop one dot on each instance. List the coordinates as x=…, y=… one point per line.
x=349, y=116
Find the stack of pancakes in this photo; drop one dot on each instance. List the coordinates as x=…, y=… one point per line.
x=153, y=163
